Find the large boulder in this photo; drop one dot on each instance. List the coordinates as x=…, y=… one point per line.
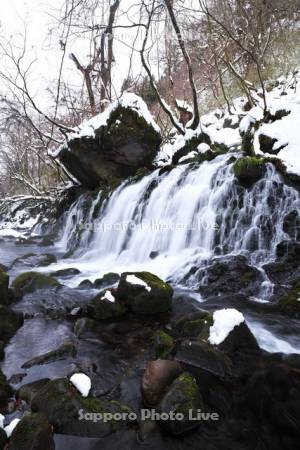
x=183, y=401
x=112, y=145
x=145, y=293
x=70, y=413
x=106, y=305
x=33, y=432
x=10, y=322
x=29, y=282
x=249, y=169
x=5, y=392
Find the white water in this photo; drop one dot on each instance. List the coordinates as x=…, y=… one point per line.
x=183, y=215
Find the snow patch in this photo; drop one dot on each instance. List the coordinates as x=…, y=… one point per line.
x=82, y=382
x=132, y=279
x=108, y=296
x=10, y=428
x=224, y=322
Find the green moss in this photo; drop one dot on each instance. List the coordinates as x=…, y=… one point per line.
x=249, y=168
x=163, y=344
x=29, y=282
x=247, y=143
x=290, y=303
x=95, y=405
x=155, y=281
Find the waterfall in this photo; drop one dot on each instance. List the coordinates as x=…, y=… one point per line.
x=170, y=222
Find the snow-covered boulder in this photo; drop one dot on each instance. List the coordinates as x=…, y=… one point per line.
x=112, y=145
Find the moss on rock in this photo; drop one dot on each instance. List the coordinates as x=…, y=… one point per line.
x=163, y=344
x=33, y=432
x=183, y=398
x=290, y=303
x=5, y=392
x=29, y=282
x=249, y=169
x=154, y=297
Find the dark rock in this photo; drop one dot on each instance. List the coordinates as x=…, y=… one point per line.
x=240, y=342
x=289, y=302
x=204, y=356
x=107, y=280
x=267, y=143
x=2, y=353
x=249, y=169
x=229, y=275
x=119, y=148
x=106, y=305
x=62, y=352
x=153, y=255
x=65, y=409
x=195, y=324
x=10, y=322
x=31, y=281
x=153, y=298
x=84, y=327
x=289, y=251
x=86, y=284
x=34, y=260
x=3, y=439
x=17, y=378
x=158, y=376
x=4, y=282
x=191, y=145
x=28, y=391
x=163, y=344
x=291, y=225
x=33, y=432
x=5, y=392
x=183, y=397
x=65, y=272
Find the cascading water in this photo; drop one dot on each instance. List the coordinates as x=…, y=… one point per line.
x=170, y=222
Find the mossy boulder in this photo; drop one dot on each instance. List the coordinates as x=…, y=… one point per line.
x=184, y=399
x=29, y=390
x=106, y=305
x=107, y=280
x=163, y=344
x=33, y=432
x=2, y=353
x=290, y=302
x=195, y=324
x=29, y=282
x=5, y=392
x=249, y=169
x=10, y=322
x=4, y=282
x=70, y=413
x=191, y=145
x=145, y=293
x=125, y=141
x=62, y=352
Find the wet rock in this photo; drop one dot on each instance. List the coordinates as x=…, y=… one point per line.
x=229, y=275
x=107, y=280
x=4, y=282
x=65, y=273
x=86, y=284
x=183, y=398
x=289, y=251
x=157, y=377
x=34, y=260
x=163, y=344
x=64, y=407
x=84, y=327
x=291, y=225
x=106, y=305
x=33, y=432
x=123, y=144
x=240, y=344
x=249, y=169
x=2, y=353
x=5, y=392
x=31, y=281
x=191, y=145
x=289, y=303
x=3, y=439
x=17, y=378
x=62, y=352
x=28, y=391
x=10, y=322
x=195, y=324
x=145, y=293
x=153, y=255
x=204, y=356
